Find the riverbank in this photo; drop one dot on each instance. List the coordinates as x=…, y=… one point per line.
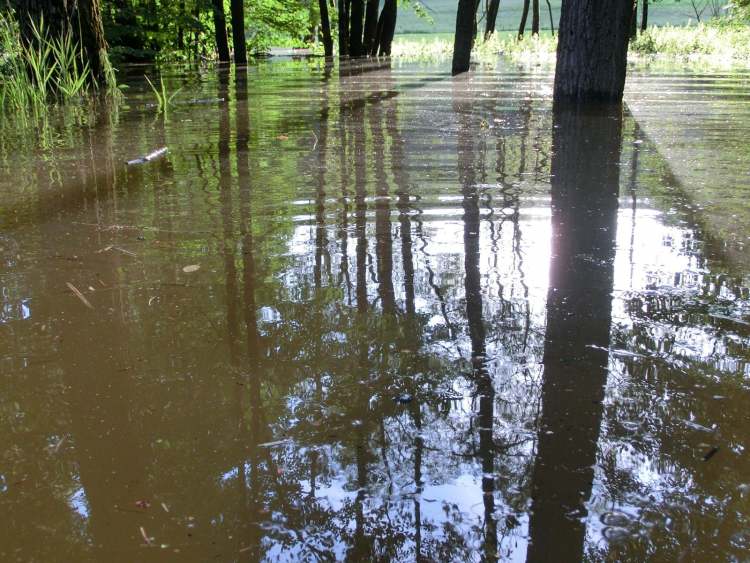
x=721, y=43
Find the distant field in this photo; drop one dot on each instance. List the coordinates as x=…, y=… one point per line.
x=443, y=12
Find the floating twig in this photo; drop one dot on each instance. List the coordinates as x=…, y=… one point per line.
x=145, y=536
x=80, y=295
x=149, y=157
x=711, y=453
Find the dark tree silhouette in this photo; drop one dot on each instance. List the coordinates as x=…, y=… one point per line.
x=535, y=17
x=325, y=23
x=356, y=46
x=592, y=50
x=220, y=31
x=464, y=38
x=386, y=27
x=644, y=16
x=491, y=18
x=343, y=9
x=238, y=32
x=524, y=18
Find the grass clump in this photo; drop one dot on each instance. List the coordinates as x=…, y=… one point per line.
x=723, y=40
x=46, y=70
x=164, y=100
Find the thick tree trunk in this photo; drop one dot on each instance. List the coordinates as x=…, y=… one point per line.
x=326, y=24
x=238, y=32
x=356, y=47
x=524, y=17
x=463, y=41
x=387, y=27
x=644, y=16
x=371, y=26
x=592, y=50
x=220, y=30
x=535, y=17
x=343, y=28
x=83, y=19
x=492, y=11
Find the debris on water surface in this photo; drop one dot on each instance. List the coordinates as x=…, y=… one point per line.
x=404, y=399
x=149, y=157
x=711, y=453
x=80, y=295
x=145, y=537
x=272, y=444
x=191, y=268
x=143, y=504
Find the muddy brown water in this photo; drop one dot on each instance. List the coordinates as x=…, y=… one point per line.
x=373, y=313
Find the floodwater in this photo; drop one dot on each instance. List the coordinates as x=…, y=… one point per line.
x=374, y=314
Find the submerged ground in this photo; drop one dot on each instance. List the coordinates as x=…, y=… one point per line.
x=354, y=313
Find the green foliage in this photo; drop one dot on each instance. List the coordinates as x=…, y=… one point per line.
x=722, y=39
x=163, y=98
x=48, y=69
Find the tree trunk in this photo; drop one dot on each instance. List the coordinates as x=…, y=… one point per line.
x=592, y=50
x=387, y=27
x=83, y=19
x=180, y=31
x=492, y=11
x=524, y=17
x=343, y=28
x=220, y=29
x=371, y=26
x=644, y=16
x=356, y=47
x=463, y=41
x=634, y=20
x=238, y=32
x=326, y=24
x=535, y=17
x=551, y=18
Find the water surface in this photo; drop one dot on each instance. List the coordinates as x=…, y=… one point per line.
x=370, y=313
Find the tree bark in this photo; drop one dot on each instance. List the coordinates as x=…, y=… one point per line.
x=326, y=24
x=371, y=26
x=238, y=32
x=220, y=30
x=83, y=19
x=535, y=17
x=343, y=28
x=524, y=17
x=356, y=47
x=463, y=40
x=492, y=11
x=644, y=16
x=592, y=51
x=387, y=27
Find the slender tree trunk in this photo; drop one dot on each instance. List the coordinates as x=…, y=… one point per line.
x=371, y=26
x=644, y=16
x=492, y=11
x=551, y=18
x=180, y=31
x=463, y=41
x=524, y=17
x=356, y=47
x=238, y=32
x=343, y=28
x=387, y=27
x=220, y=30
x=634, y=20
x=535, y=17
x=592, y=50
x=83, y=19
x=326, y=24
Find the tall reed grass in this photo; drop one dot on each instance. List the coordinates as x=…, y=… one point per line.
x=46, y=70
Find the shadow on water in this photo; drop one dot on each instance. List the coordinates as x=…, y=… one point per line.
x=362, y=313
